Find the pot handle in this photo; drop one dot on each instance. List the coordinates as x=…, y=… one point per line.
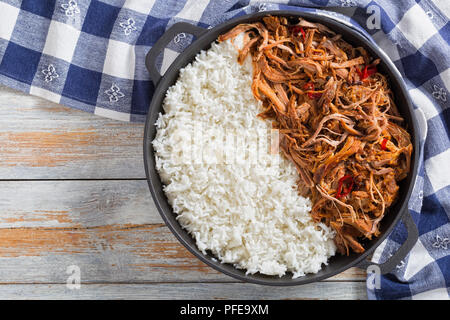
x=150, y=59
x=405, y=248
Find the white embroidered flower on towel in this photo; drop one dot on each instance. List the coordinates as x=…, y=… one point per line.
x=439, y=93
x=128, y=26
x=441, y=243
x=114, y=93
x=70, y=8
x=50, y=73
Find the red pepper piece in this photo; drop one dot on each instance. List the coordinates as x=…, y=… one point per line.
x=297, y=29
x=359, y=72
x=366, y=72
x=309, y=85
x=342, y=193
x=303, y=33
x=383, y=144
x=311, y=95
x=371, y=71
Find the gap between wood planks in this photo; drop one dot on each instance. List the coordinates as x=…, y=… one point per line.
x=111, y=230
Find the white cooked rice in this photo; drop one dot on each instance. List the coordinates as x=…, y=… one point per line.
x=247, y=214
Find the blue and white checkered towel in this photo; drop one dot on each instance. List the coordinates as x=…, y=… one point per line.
x=90, y=55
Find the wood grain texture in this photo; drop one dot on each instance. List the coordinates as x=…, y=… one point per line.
x=42, y=140
x=109, y=228
x=176, y=291
x=72, y=193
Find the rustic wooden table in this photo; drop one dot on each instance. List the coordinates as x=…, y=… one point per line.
x=73, y=193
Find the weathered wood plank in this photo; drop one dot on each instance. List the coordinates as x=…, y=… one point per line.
x=116, y=253
x=111, y=229
x=175, y=291
x=43, y=140
x=75, y=204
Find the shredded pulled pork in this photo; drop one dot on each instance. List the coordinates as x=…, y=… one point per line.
x=337, y=121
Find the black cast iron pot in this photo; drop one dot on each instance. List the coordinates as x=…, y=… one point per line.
x=204, y=38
